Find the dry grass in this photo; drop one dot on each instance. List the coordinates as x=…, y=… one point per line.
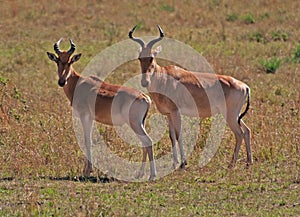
x=38, y=148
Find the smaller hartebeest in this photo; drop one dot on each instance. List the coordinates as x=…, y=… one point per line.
x=106, y=103
x=177, y=91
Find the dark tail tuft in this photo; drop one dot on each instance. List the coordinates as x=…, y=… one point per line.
x=247, y=107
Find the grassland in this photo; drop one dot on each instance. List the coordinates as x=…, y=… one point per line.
x=41, y=162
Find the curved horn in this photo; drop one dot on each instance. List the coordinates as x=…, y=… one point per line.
x=73, y=47
x=140, y=41
x=161, y=35
x=56, y=46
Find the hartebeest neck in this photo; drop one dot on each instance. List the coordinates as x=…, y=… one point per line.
x=154, y=75
x=70, y=86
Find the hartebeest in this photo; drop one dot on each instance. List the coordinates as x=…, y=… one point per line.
x=106, y=103
x=210, y=93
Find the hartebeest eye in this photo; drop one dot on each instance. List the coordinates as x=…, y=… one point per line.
x=146, y=59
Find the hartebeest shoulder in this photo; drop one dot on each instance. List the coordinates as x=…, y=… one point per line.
x=111, y=90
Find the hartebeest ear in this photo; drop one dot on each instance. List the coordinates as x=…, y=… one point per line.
x=157, y=50
x=75, y=58
x=52, y=57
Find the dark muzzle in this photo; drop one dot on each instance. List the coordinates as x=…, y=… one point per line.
x=144, y=83
x=61, y=83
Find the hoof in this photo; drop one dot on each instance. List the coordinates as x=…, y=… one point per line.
x=151, y=178
x=174, y=166
x=86, y=173
x=139, y=175
x=231, y=166
x=87, y=169
x=249, y=164
x=183, y=164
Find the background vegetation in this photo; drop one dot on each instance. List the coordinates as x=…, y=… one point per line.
x=40, y=160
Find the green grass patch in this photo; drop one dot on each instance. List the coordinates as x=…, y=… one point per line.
x=296, y=55
x=168, y=8
x=279, y=36
x=231, y=17
x=271, y=65
x=248, y=18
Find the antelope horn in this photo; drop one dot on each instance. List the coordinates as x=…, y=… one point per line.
x=56, y=46
x=161, y=35
x=140, y=41
x=73, y=47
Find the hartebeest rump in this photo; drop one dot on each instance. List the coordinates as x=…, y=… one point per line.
x=106, y=103
x=211, y=94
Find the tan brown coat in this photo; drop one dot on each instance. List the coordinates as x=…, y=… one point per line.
x=93, y=99
x=177, y=91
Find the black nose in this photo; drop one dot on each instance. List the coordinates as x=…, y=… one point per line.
x=144, y=83
x=61, y=83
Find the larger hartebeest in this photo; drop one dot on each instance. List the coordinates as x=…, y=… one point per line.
x=106, y=103
x=210, y=94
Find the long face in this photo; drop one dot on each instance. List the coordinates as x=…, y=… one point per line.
x=147, y=67
x=147, y=56
x=146, y=59
x=63, y=61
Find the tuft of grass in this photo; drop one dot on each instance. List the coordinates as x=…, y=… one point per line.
x=279, y=36
x=3, y=81
x=140, y=24
x=270, y=65
x=296, y=55
x=231, y=17
x=265, y=15
x=257, y=36
x=248, y=18
x=168, y=8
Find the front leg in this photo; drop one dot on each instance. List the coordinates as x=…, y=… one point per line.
x=141, y=172
x=172, y=136
x=87, y=123
x=87, y=168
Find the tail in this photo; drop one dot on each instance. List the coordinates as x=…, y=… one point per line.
x=148, y=100
x=247, y=106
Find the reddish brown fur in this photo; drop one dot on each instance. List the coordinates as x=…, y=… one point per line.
x=211, y=94
x=93, y=99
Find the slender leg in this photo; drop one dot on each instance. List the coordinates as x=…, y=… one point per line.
x=140, y=131
x=87, y=128
x=246, y=132
x=172, y=135
x=147, y=143
x=176, y=121
x=152, y=163
x=179, y=139
x=236, y=129
x=142, y=169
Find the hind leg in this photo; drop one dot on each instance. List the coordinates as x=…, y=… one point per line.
x=141, y=173
x=175, y=135
x=140, y=131
x=246, y=132
x=177, y=121
x=238, y=133
x=87, y=123
x=172, y=135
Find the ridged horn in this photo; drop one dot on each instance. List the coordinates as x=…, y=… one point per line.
x=140, y=41
x=73, y=47
x=56, y=46
x=161, y=35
